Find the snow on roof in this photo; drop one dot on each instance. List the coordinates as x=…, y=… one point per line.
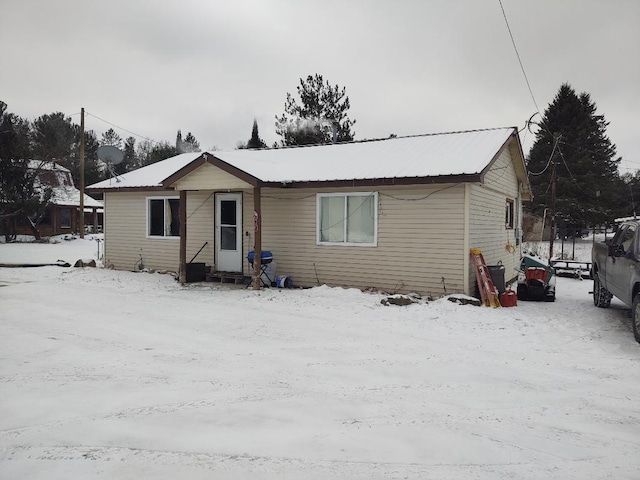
x=63, y=191
x=151, y=175
x=456, y=153
x=70, y=196
x=46, y=165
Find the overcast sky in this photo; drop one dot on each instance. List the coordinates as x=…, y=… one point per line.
x=409, y=67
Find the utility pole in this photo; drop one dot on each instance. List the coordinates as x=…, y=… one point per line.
x=552, y=233
x=81, y=214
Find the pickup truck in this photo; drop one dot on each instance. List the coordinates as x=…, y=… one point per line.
x=616, y=271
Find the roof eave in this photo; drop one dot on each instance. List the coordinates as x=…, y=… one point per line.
x=377, y=182
x=153, y=188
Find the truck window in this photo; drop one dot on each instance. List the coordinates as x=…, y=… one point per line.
x=626, y=239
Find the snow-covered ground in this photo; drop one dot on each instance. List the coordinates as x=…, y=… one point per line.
x=109, y=374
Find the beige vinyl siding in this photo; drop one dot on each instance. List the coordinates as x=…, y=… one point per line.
x=420, y=236
x=487, y=230
x=424, y=232
x=208, y=177
x=125, y=231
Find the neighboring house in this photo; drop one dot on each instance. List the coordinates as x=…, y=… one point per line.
x=399, y=214
x=62, y=212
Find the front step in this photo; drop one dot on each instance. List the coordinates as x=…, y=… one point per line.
x=226, y=277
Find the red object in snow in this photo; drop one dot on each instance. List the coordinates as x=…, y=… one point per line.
x=509, y=298
x=536, y=273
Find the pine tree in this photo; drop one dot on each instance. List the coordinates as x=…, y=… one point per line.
x=179, y=142
x=56, y=139
x=321, y=113
x=573, y=140
x=111, y=138
x=94, y=170
x=53, y=138
x=129, y=160
x=190, y=144
x=17, y=192
x=255, y=141
x=148, y=152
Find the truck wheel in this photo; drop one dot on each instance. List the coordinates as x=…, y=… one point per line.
x=635, y=317
x=601, y=296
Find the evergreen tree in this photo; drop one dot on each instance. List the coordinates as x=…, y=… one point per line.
x=148, y=152
x=14, y=135
x=255, y=141
x=179, y=142
x=573, y=140
x=111, y=138
x=94, y=170
x=17, y=192
x=56, y=139
x=129, y=160
x=190, y=144
x=322, y=109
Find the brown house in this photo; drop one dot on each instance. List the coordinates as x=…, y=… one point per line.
x=63, y=211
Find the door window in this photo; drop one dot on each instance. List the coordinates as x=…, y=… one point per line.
x=228, y=227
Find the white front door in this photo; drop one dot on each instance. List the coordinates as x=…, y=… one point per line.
x=229, y=232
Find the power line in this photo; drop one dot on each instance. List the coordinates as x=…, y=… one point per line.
x=518, y=55
x=567, y=167
x=120, y=128
x=553, y=150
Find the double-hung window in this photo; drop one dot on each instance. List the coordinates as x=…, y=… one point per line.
x=163, y=217
x=509, y=214
x=347, y=218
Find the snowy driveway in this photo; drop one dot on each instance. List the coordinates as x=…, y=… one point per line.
x=121, y=375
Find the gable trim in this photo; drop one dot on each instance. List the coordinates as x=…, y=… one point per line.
x=216, y=162
x=517, y=160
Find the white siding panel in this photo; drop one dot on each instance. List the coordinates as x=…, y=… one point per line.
x=420, y=237
x=208, y=177
x=125, y=232
x=487, y=230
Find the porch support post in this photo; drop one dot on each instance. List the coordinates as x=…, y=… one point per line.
x=257, y=236
x=95, y=220
x=182, y=273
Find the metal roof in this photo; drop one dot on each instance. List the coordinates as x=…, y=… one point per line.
x=445, y=154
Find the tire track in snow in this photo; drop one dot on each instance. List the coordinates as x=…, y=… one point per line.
x=139, y=411
x=292, y=467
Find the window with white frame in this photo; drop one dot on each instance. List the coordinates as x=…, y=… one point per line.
x=347, y=218
x=163, y=217
x=509, y=214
